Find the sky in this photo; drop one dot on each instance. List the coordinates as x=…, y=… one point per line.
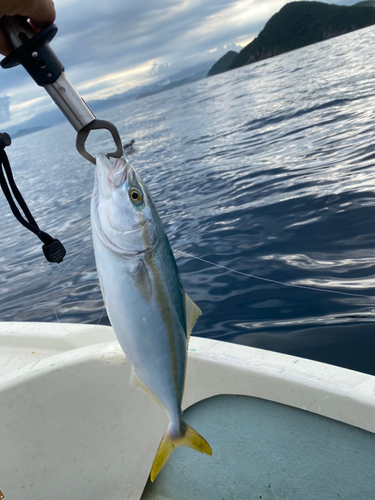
x=111, y=46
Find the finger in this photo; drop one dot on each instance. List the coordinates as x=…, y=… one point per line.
x=36, y=27
x=41, y=12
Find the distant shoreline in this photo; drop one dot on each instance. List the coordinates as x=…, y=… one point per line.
x=297, y=25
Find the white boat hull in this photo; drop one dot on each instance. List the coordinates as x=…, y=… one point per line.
x=279, y=426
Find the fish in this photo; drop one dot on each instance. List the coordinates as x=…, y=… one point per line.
x=151, y=314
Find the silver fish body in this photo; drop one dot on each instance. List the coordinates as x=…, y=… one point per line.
x=150, y=313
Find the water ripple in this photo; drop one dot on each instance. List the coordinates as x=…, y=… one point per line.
x=268, y=170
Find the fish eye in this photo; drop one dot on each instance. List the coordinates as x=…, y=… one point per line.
x=135, y=196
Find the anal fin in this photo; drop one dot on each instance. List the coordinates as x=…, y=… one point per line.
x=135, y=381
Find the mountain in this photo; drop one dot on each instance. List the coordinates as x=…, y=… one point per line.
x=194, y=78
x=299, y=24
x=189, y=75
x=365, y=3
x=27, y=131
x=223, y=63
x=188, y=72
x=43, y=120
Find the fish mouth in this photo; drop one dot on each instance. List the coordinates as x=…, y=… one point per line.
x=121, y=173
x=103, y=159
x=117, y=174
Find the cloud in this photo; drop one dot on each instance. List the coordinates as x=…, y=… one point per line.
x=110, y=46
x=4, y=108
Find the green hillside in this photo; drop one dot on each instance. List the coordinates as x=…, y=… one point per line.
x=223, y=63
x=299, y=24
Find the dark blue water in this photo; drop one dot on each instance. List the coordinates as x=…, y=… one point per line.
x=269, y=170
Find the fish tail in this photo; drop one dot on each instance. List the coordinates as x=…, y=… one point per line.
x=187, y=437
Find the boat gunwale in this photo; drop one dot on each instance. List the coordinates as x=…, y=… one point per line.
x=330, y=391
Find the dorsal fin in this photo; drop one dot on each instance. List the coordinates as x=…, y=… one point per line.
x=192, y=313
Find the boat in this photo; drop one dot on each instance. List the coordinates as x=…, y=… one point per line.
x=280, y=427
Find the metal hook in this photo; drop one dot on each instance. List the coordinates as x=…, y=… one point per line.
x=97, y=125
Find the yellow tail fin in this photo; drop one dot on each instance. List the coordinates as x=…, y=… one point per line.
x=189, y=438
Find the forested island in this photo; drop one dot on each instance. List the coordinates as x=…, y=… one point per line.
x=299, y=24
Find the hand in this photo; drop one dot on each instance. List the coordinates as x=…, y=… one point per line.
x=40, y=12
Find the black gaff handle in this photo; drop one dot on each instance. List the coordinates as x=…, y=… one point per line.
x=31, y=49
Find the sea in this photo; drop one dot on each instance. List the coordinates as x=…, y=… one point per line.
x=266, y=173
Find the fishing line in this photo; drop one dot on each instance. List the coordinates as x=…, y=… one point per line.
x=304, y=287
x=220, y=266
x=55, y=301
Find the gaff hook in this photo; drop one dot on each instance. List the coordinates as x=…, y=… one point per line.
x=96, y=125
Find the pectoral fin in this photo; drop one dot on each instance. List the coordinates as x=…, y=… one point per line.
x=142, y=280
x=192, y=313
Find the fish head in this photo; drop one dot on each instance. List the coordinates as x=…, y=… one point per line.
x=125, y=216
